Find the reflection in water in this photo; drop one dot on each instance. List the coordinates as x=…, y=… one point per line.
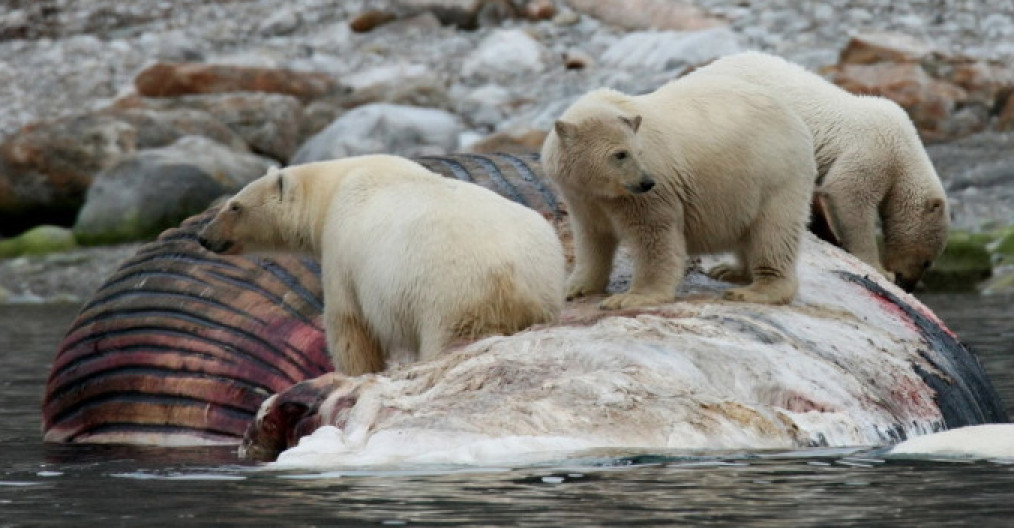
x=52, y=484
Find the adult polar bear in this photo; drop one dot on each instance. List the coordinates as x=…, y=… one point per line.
x=410, y=260
x=697, y=166
x=870, y=161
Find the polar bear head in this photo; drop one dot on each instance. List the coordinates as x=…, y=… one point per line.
x=598, y=155
x=915, y=234
x=256, y=219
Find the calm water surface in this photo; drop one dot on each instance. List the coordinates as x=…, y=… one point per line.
x=57, y=485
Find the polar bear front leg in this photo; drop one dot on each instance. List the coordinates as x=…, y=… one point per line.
x=595, y=245
x=353, y=348
x=659, y=254
x=854, y=221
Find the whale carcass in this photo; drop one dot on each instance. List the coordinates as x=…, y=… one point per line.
x=182, y=347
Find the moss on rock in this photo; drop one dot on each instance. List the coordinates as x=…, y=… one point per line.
x=38, y=241
x=964, y=264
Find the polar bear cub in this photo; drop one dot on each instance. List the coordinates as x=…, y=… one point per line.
x=871, y=164
x=410, y=260
x=701, y=165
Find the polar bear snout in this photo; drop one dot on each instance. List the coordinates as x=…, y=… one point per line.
x=217, y=246
x=646, y=184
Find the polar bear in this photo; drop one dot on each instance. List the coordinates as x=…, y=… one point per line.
x=871, y=166
x=410, y=260
x=697, y=166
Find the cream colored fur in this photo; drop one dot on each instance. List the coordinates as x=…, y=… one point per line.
x=733, y=170
x=871, y=164
x=410, y=259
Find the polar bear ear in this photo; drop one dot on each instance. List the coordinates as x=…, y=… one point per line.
x=283, y=185
x=633, y=122
x=566, y=131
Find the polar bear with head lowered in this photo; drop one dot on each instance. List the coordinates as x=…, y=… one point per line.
x=410, y=260
x=698, y=166
x=871, y=165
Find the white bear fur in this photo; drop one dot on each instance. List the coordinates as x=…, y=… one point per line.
x=410, y=260
x=733, y=170
x=871, y=165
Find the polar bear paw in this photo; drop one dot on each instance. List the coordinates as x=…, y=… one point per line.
x=633, y=300
x=581, y=289
x=753, y=294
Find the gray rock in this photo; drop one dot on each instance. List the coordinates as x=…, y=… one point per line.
x=506, y=52
x=155, y=189
x=376, y=128
x=269, y=124
x=670, y=50
x=160, y=128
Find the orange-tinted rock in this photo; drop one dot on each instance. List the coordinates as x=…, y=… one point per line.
x=647, y=14
x=525, y=142
x=175, y=79
x=928, y=101
x=540, y=10
x=46, y=167
x=870, y=48
x=371, y=19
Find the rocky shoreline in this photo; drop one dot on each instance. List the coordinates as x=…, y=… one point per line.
x=119, y=120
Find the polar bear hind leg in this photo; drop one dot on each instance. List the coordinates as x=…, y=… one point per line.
x=770, y=252
x=354, y=349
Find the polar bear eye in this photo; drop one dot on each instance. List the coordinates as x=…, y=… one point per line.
x=235, y=207
x=621, y=155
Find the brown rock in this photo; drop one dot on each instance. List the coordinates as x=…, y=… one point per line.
x=175, y=79
x=523, y=142
x=986, y=83
x=371, y=19
x=46, y=167
x=536, y=10
x=928, y=101
x=871, y=48
x=647, y=14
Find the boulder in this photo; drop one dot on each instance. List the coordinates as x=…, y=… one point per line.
x=380, y=127
x=670, y=50
x=46, y=167
x=269, y=124
x=874, y=47
x=154, y=189
x=505, y=52
x=634, y=15
x=166, y=79
x=463, y=14
x=161, y=127
x=402, y=83
x=946, y=96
